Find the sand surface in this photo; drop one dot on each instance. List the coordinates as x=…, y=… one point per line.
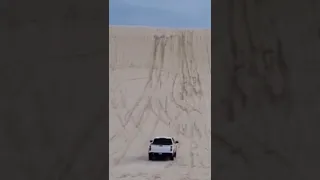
x=159, y=85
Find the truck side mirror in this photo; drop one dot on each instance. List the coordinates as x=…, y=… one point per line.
x=177, y=142
x=151, y=141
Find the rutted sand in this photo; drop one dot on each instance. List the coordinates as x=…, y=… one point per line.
x=159, y=85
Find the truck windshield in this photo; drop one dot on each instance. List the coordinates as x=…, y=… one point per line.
x=162, y=141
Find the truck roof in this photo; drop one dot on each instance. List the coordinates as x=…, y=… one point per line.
x=165, y=137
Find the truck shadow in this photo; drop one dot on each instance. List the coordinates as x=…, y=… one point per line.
x=142, y=159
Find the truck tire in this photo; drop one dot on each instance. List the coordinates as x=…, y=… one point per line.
x=171, y=157
x=150, y=157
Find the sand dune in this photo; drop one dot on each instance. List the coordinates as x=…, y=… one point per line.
x=159, y=85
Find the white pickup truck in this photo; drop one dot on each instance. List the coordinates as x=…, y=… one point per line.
x=163, y=146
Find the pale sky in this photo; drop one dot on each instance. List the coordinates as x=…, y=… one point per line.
x=161, y=13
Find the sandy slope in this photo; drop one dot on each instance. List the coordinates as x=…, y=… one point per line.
x=159, y=85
